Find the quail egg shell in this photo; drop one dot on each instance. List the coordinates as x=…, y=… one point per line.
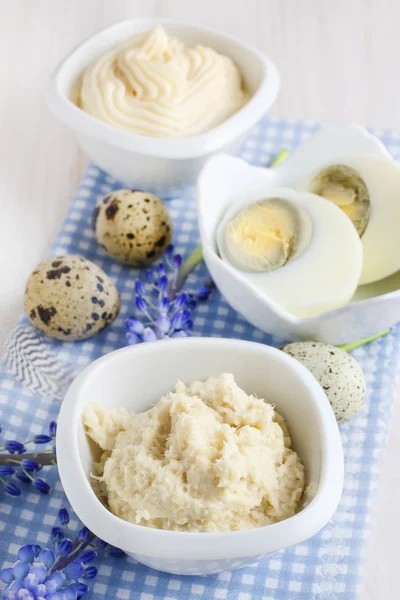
x=367, y=190
x=133, y=227
x=70, y=298
x=338, y=373
x=316, y=249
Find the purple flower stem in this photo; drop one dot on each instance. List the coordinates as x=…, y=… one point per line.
x=77, y=548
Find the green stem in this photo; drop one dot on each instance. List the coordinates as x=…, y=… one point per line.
x=28, y=475
x=353, y=345
x=43, y=458
x=188, y=266
x=280, y=157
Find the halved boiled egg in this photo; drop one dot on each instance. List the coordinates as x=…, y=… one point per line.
x=301, y=251
x=367, y=189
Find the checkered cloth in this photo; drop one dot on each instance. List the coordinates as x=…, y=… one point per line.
x=325, y=567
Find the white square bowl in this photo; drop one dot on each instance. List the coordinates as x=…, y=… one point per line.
x=160, y=162
x=226, y=179
x=135, y=378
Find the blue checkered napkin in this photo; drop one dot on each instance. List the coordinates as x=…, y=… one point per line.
x=325, y=567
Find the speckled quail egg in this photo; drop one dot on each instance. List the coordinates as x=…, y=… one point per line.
x=133, y=227
x=338, y=373
x=70, y=298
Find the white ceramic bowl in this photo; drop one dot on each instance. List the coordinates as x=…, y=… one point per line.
x=224, y=180
x=152, y=162
x=135, y=378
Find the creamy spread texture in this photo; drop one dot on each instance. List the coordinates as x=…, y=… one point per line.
x=206, y=457
x=153, y=85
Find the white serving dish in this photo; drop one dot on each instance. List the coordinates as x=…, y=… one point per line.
x=160, y=162
x=135, y=378
x=224, y=180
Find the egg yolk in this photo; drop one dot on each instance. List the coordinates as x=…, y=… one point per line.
x=344, y=187
x=262, y=237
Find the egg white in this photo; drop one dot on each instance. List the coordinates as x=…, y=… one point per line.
x=325, y=275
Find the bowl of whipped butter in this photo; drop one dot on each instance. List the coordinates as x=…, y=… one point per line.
x=199, y=455
x=149, y=100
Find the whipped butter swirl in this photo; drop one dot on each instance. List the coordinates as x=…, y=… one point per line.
x=153, y=85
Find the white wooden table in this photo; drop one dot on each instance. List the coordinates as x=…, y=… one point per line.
x=339, y=63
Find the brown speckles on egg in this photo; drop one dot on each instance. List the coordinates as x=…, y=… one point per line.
x=142, y=219
x=59, y=298
x=161, y=242
x=57, y=273
x=46, y=314
x=112, y=209
x=66, y=332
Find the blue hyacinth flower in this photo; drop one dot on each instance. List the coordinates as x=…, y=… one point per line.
x=30, y=465
x=163, y=309
x=41, y=439
x=41, y=486
x=64, y=547
x=6, y=470
x=11, y=489
x=14, y=447
x=26, y=553
x=63, y=516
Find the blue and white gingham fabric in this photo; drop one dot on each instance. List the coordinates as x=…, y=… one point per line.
x=325, y=567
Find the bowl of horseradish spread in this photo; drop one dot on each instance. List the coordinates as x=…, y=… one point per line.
x=198, y=455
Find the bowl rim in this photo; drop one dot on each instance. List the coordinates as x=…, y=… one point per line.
x=171, y=148
x=198, y=546
x=280, y=311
